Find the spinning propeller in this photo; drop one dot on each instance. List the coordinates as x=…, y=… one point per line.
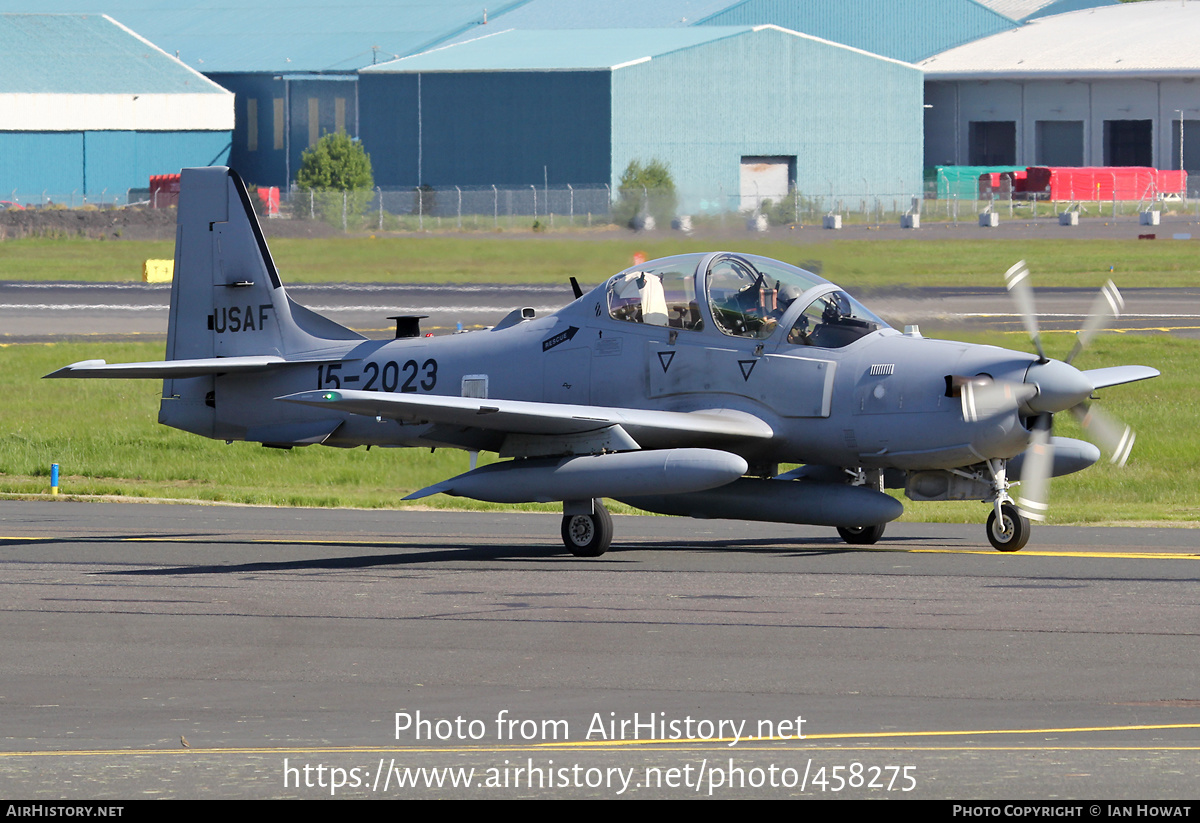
x=1053, y=386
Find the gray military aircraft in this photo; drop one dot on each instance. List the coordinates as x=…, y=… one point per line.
x=678, y=386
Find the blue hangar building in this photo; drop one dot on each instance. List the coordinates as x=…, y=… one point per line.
x=90, y=109
x=576, y=106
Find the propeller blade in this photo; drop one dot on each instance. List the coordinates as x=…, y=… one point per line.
x=1016, y=280
x=1035, y=473
x=1106, y=307
x=1107, y=431
x=985, y=398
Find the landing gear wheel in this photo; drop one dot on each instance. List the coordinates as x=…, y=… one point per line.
x=1010, y=533
x=588, y=535
x=861, y=535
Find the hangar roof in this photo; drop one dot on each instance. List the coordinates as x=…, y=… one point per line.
x=87, y=54
x=901, y=29
x=558, y=50
x=575, y=49
x=1022, y=10
x=909, y=30
x=1153, y=38
x=217, y=36
x=611, y=14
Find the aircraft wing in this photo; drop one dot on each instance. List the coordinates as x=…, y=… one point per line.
x=649, y=427
x=1119, y=375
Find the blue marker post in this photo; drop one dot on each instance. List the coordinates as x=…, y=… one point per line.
x=54, y=478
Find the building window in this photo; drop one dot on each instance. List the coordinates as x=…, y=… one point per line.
x=252, y=124
x=339, y=113
x=1128, y=143
x=1059, y=142
x=314, y=121
x=992, y=142
x=278, y=127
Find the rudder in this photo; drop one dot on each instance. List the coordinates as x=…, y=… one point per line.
x=226, y=297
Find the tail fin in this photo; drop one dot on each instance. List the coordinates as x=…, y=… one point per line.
x=226, y=298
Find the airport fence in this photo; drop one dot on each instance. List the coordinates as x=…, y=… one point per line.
x=489, y=208
x=545, y=207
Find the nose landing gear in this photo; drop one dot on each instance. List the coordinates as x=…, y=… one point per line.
x=1008, y=529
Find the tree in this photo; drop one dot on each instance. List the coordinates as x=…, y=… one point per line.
x=645, y=189
x=338, y=173
x=336, y=162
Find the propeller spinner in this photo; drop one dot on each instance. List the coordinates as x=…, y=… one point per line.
x=1053, y=386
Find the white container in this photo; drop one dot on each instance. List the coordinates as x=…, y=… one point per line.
x=910, y=221
x=1068, y=218
x=757, y=222
x=989, y=220
x=1149, y=218
x=832, y=221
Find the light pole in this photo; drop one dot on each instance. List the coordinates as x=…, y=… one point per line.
x=1182, y=173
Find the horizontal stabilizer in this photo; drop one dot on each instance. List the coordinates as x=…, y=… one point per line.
x=165, y=369
x=650, y=428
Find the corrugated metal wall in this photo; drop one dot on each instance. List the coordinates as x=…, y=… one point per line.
x=487, y=128
x=908, y=30
x=853, y=122
x=261, y=162
x=101, y=162
x=955, y=105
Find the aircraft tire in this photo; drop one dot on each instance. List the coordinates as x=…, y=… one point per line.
x=588, y=535
x=1011, y=532
x=861, y=535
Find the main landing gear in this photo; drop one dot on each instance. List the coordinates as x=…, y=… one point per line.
x=861, y=535
x=587, y=535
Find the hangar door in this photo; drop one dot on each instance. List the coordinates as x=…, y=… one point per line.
x=992, y=142
x=766, y=178
x=1128, y=143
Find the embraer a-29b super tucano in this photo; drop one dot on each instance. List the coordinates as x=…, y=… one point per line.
x=678, y=386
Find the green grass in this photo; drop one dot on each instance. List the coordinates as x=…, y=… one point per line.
x=551, y=258
x=104, y=435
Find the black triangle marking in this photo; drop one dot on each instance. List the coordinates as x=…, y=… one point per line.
x=665, y=358
x=747, y=366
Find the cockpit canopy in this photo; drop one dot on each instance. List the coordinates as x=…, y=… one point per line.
x=741, y=295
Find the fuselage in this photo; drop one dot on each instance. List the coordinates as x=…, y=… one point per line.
x=837, y=385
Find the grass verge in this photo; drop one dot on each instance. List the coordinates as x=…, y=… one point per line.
x=542, y=259
x=105, y=438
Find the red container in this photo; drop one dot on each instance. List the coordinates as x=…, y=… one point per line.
x=164, y=190
x=1103, y=182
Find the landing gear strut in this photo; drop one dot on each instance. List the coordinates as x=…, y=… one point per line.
x=1007, y=529
x=588, y=535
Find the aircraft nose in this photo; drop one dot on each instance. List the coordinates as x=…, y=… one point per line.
x=1060, y=387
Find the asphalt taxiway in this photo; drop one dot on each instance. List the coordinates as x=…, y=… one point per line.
x=219, y=651
x=39, y=312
